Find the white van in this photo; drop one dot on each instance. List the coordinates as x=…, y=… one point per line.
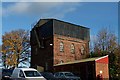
x=27, y=73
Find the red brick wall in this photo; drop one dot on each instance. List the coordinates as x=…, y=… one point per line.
x=104, y=68
x=67, y=56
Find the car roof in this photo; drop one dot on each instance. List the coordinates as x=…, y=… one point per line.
x=27, y=69
x=65, y=72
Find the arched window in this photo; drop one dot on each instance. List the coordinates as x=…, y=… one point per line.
x=61, y=47
x=72, y=47
x=82, y=50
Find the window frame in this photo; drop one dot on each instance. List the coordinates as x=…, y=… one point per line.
x=82, y=50
x=72, y=48
x=61, y=61
x=61, y=46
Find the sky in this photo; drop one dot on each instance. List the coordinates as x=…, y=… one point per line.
x=119, y=22
x=23, y=14
x=94, y=15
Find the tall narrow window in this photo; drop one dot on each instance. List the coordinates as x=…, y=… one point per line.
x=82, y=50
x=61, y=47
x=72, y=48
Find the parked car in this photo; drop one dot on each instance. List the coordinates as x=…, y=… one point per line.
x=26, y=74
x=48, y=75
x=0, y=73
x=66, y=76
x=6, y=74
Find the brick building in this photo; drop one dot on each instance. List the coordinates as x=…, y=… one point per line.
x=61, y=46
x=54, y=41
x=87, y=69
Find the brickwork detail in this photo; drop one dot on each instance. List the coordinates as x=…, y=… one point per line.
x=104, y=68
x=66, y=55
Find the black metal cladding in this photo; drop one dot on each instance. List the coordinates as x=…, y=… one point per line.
x=47, y=27
x=45, y=30
x=70, y=30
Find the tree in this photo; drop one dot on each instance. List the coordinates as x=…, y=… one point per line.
x=106, y=44
x=1, y=55
x=15, y=47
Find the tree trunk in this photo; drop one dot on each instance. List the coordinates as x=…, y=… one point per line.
x=17, y=60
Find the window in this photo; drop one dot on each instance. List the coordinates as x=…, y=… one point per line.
x=69, y=74
x=72, y=48
x=61, y=47
x=56, y=74
x=82, y=50
x=61, y=61
x=61, y=74
x=32, y=74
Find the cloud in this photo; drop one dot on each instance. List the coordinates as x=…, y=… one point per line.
x=41, y=0
x=61, y=10
x=43, y=9
x=60, y=1
x=17, y=8
x=101, y=0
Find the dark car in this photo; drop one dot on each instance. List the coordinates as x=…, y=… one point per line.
x=6, y=74
x=48, y=75
x=66, y=76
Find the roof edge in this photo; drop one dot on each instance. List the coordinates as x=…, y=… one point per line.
x=64, y=22
x=101, y=58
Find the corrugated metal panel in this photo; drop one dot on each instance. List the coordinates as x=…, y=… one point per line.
x=45, y=30
x=66, y=29
x=48, y=27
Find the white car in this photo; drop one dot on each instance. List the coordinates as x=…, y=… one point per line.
x=27, y=73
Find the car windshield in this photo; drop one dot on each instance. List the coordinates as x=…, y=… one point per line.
x=7, y=72
x=47, y=75
x=32, y=74
x=69, y=74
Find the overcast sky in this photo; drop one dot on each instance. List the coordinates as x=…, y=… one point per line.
x=94, y=15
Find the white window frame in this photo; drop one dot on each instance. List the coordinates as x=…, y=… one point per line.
x=61, y=46
x=82, y=50
x=72, y=48
x=61, y=61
